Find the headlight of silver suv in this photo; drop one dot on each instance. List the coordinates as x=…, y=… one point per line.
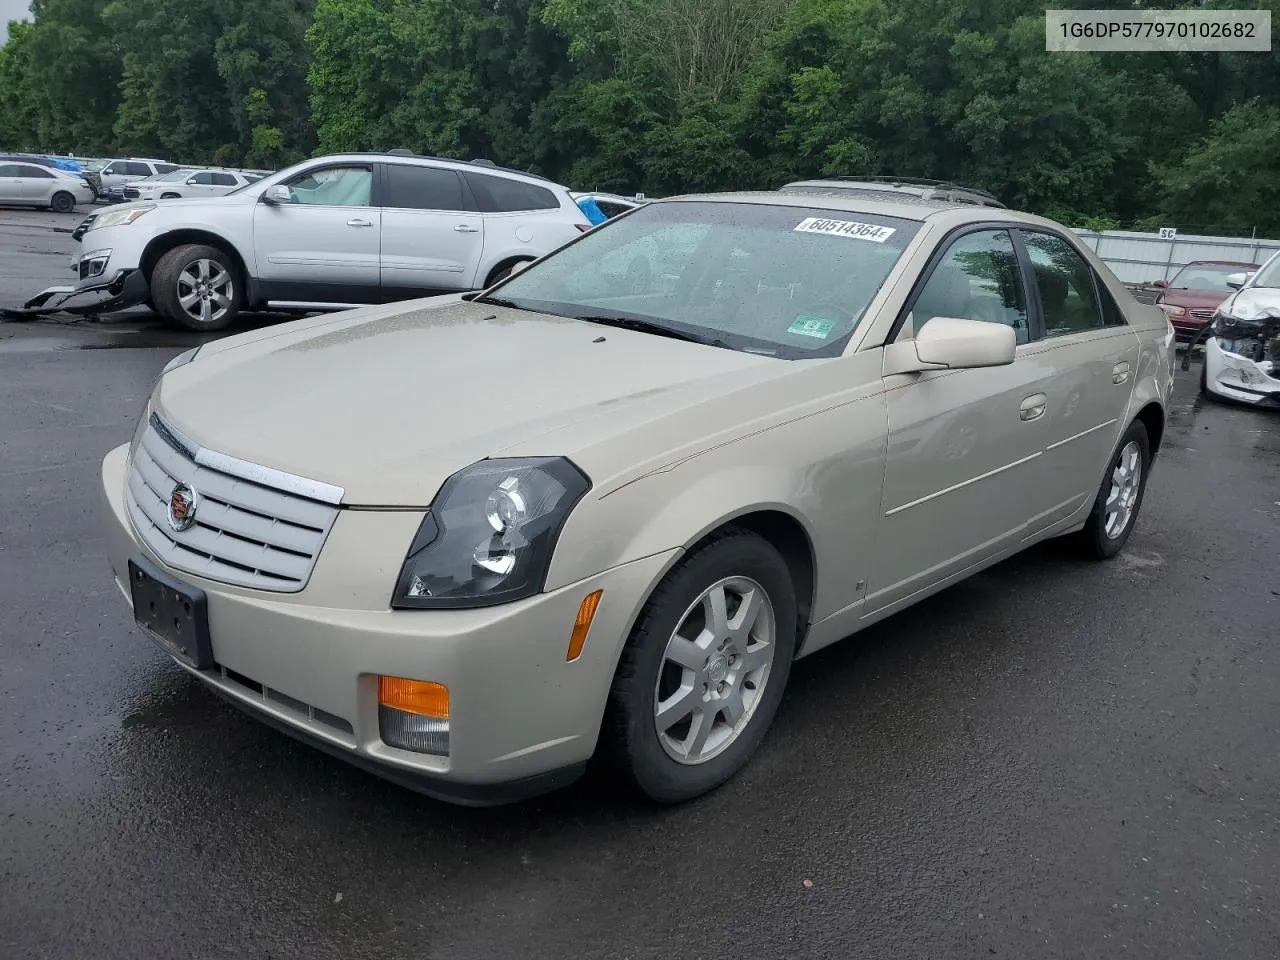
x=490, y=533
x=121, y=216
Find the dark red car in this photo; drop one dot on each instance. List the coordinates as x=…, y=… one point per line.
x=1191, y=297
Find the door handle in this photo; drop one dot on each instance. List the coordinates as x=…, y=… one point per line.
x=357, y=222
x=1033, y=407
x=466, y=228
x=1120, y=372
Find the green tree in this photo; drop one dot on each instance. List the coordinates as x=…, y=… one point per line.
x=1227, y=180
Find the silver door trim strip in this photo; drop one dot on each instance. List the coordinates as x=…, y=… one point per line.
x=315, y=305
x=961, y=485
x=1082, y=433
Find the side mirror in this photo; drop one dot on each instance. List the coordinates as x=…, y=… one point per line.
x=1237, y=280
x=191, y=181
x=957, y=343
x=1161, y=284
x=277, y=194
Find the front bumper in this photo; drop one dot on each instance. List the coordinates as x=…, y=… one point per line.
x=1239, y=378
x=118, y=290
x=522, y=720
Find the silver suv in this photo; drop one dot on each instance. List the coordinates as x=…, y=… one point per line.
x=336, y=231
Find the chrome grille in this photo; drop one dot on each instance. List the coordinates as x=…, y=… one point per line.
x=1203, y=314
x=247, y=532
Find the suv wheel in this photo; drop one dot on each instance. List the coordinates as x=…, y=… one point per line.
x=197, y=287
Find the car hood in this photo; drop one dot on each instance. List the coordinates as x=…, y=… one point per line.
x=1253, y=303
x=388, y=402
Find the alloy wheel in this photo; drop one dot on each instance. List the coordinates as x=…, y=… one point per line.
x=205, y=290
x=1126, y=484
x=714, y=671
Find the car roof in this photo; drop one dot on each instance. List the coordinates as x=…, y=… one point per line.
x=895, y=185
x=905, y=206
x=417, y=159
x=1218, y=263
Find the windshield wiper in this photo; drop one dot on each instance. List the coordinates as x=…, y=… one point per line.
x=497, y=302
x=649, y=326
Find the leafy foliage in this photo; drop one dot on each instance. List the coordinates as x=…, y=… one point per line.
x=664, y=96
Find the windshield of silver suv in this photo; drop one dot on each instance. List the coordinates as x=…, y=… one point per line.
x=788, y=282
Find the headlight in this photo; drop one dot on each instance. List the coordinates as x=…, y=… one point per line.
x=1173, y=310
x=489, y=535
x=118, y=218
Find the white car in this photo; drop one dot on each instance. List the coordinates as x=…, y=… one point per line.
x=1242, y=352
x=328, y=233
x=29, y=184
x=188, y=183
x=116, y=173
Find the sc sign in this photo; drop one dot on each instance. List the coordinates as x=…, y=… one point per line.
x=1168, y=233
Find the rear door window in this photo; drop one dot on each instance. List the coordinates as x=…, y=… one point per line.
x=413, y=187
x=223, y=180
x=505, y=195
x=133, y=168
x=1064, y=285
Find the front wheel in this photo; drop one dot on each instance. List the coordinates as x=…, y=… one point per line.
x=704, y=670
x=197, y=287
x=1115, y=509
x=62, y=202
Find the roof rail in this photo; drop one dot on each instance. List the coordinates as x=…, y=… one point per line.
x=915, y=182
x=403, y=152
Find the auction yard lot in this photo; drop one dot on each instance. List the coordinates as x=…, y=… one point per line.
x=1055, y=758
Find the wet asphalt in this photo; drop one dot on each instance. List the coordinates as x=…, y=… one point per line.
x=1056, y=758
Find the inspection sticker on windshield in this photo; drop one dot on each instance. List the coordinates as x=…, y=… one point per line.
x=845, y=228
x=811, y=327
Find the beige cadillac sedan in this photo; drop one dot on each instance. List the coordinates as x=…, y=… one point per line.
x=472, y=542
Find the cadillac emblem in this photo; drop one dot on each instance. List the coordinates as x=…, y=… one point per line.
x=182, y=507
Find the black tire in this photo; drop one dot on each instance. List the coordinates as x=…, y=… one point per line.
x=170, y=196
x=166, y=297
x=62, y=202
x=504, y=271
x=629, y=738
x=1094, y=539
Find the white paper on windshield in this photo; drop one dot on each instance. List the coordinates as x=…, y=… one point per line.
x=845, y=228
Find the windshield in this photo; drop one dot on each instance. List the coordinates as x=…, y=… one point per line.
x=94, y=166
x=783, y=281
x=1269, y=274
x=1204, y=276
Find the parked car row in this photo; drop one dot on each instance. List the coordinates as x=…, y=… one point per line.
x=597, y=509
x=24, y=181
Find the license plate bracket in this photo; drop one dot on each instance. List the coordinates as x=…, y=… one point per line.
x=174, y=614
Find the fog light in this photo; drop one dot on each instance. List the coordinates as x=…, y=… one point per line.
x=414, y=715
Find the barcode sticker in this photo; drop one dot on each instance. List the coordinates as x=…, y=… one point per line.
x=845, y=228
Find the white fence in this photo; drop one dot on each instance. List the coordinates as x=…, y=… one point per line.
x=1145, y=258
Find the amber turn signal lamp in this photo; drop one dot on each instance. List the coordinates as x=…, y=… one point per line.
x=582, y=624
x=414, y=696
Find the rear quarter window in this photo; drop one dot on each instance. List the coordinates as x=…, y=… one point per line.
x=503, y=195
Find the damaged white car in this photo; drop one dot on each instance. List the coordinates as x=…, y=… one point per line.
x=1242, y=345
